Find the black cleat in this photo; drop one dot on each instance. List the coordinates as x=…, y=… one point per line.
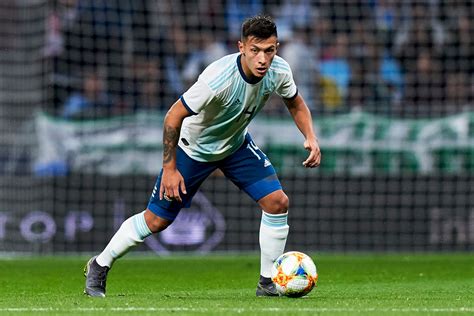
x=96, y=277
x=266, y=287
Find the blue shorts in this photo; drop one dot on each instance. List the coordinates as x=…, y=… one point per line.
x=248, y=168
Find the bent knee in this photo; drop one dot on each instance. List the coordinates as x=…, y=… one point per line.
x=275, y=203
x=282, y=203
x=155, y=223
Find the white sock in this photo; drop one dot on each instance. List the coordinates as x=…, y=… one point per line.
x=132, y=231
x=273, y=233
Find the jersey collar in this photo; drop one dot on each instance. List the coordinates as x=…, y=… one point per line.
x=242, y=73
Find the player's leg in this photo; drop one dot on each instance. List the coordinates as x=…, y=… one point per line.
x=272, y=236
x=157, y=217
x=133, y=231
x=251, y=170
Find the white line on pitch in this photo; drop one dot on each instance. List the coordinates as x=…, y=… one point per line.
x=240, y=310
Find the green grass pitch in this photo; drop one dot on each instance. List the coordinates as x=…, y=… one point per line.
x=352, y=284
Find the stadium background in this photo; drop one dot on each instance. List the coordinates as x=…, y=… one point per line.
x=84, y=85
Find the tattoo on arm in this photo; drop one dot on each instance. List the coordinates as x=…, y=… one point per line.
x=170, y=140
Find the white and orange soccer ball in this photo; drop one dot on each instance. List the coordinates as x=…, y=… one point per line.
x=294, y=274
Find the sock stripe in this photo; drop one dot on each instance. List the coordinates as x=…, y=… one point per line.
x=274, y=220
x=136, y=225
x=273, y=224
x=145, y=230
x=275, y=215
x=141, y=226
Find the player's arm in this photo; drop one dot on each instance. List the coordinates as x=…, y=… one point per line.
x=172, y=181
x=302, y=117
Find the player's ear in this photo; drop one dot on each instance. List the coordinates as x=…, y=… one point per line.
x=277, y=46
x=241, y=47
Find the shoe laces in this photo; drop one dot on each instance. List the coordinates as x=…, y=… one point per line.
x=102, y=274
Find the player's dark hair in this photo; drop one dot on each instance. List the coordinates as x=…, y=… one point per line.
x=260, y=26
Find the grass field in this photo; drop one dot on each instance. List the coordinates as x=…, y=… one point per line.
x=424, y=284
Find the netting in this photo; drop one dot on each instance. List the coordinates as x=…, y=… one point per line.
x=84, y=86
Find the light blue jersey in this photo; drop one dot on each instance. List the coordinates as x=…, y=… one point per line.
x=224, y=102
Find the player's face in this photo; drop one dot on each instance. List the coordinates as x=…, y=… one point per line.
x=257, y=55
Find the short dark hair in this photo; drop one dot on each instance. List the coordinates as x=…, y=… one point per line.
x=260, y=26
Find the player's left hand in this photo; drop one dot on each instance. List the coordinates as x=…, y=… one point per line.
x=314, y=158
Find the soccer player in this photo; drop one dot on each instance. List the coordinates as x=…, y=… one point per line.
x=205, y=130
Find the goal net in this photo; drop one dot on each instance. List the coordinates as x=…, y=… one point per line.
x=85, y=85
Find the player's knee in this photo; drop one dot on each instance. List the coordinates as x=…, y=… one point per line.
x=283, y=203
x=155, y=223
x=279, y=204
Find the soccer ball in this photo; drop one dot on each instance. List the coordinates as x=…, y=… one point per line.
x=294, y=274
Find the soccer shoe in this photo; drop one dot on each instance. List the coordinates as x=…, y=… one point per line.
x=266, y=289
x=96, y=277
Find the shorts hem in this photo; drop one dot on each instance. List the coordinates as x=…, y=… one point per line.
x=262, y=188
x=160, y=212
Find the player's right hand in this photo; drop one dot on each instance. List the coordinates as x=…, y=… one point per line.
x=314, y=158
x=172, y=182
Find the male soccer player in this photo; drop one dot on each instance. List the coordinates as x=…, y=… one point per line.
x=205, y=130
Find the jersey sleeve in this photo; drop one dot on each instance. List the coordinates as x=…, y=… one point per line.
x=197, y=96
x=287, y=88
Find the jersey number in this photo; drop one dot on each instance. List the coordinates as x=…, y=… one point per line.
x=253, y=148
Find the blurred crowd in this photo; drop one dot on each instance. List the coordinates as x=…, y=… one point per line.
x=405, y=58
